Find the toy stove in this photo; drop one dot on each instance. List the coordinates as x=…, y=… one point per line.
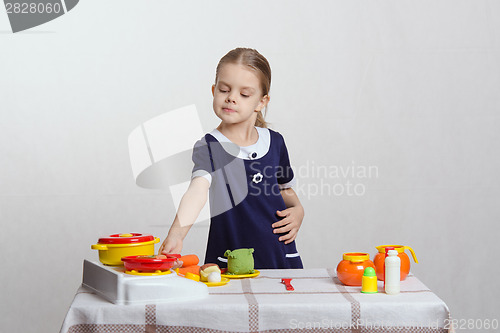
x=113, y=284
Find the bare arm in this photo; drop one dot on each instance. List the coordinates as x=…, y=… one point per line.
x=189, y=208
x=292, y=216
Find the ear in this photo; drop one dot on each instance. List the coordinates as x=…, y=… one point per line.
x=250, y=250
x=213, y=89
x=227, y=253
x=263, y=102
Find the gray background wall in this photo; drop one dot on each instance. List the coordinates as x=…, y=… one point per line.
x=409, y=87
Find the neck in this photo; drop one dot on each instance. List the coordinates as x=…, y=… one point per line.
x=240, y=134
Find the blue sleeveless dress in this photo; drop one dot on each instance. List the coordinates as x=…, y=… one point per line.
x=244, y=197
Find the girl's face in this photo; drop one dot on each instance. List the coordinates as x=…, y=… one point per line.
x=238, y=95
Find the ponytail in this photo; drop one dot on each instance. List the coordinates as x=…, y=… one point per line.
x=260, y=121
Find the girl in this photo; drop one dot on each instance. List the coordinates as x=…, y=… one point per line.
x=245, y=167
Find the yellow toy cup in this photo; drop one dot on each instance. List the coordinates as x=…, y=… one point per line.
x=369, y=281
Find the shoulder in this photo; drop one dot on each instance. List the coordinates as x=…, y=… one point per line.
x=275, y=134
x=276, y=137
x=272, y=132
x=202, y=142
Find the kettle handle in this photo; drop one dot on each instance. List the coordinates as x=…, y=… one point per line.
x=412, y=253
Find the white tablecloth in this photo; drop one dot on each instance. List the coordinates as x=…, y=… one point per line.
x=320, y=303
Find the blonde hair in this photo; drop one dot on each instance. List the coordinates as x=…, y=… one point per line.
x=256, y=62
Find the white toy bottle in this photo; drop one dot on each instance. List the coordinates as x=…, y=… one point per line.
x=392, y=273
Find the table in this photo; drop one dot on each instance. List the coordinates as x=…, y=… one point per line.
x=319, y=303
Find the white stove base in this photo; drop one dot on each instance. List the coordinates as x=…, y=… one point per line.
x=113, y=284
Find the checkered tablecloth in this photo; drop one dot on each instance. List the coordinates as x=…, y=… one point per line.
x=319, y=303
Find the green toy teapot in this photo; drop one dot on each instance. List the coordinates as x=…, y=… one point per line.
x=240, y=261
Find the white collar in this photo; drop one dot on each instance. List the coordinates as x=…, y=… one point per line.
x=255, y=151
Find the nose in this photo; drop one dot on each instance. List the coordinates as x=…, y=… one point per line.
x=230, y=98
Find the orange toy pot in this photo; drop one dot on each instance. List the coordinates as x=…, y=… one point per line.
x=405, y=260
x=350, y=269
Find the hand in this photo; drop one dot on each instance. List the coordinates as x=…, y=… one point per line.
x=171, y=244
x=177, y=264
x=291, y=222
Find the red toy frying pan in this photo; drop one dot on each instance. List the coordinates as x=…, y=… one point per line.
x=150, y=263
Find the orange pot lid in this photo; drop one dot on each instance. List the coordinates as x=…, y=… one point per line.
x=356, y=256
x=399, y=248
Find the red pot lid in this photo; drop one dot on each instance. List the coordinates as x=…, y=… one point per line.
x=126, y=238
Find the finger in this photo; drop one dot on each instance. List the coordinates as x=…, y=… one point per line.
x=288, y=238
x=284, y=238
x=283, y=213
x=165, y=250
x=281, y=223
x=291, y=239
x=282, y=230
x=177, y=264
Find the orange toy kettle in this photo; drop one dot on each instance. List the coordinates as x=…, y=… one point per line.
x=405, y=261
x=350, y=270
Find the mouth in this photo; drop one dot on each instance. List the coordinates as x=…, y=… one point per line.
x=228, y=110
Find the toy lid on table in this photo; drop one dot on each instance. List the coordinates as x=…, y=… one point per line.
x=356, y=257
x=126, y=238
x=369, y=271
